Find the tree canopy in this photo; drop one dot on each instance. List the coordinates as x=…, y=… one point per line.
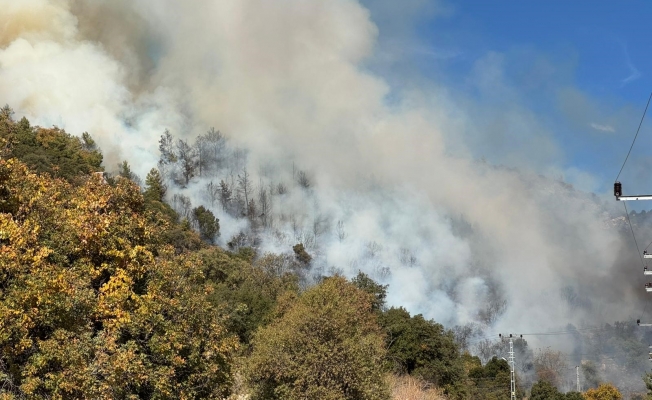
x=48, y=150
x=423, y=348
x=110, y=292
x=94, y=304
x=605, y=391
x=325, y=345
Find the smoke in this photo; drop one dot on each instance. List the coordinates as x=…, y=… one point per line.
x=457, y=239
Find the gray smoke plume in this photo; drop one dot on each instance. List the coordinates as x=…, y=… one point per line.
x=395, y=191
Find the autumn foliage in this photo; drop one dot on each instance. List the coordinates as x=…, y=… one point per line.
x=93, y=304
x=606, y=391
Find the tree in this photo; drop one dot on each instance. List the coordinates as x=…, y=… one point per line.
x=215, y=143
x=88, y=143
x=94, y=304
x=168, y=156
x=281, y=189
x=51, y=151
x=303, y=180
x=550, y=366
x=187, y=155
x=265, y=203
x=244, y=186
x=339, y=229
x=301, y=254
x=543, y=390
x=247, y=292
x=647, y=378
x=379, y=292
x=319, y=225
x=324, y=345
x=155, y=188
x=591, y=374
x=6, y=112
x=252, y=212
x=208, y=225
x=605, y=391
x=203, y=156
x=124, y=170
x=491, y=381
x=573, y=396
x=212, y=192
x=423, y=348
x=183, y=206
x=226, y=195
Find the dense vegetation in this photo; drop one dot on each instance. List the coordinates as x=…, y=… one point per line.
x=106, y=291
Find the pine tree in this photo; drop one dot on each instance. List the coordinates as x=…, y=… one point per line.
x=154, y=187
x=188, y=158
x=124, y=170
x=208, y=225
x=225, y=195
x=168, y=158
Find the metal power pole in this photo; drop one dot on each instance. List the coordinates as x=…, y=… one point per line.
x=511, y=368
x=577, y=371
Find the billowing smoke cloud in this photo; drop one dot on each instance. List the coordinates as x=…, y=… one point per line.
x=457, y=239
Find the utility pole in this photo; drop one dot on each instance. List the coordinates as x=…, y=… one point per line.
x=512, y=372
x=511, y=365
x=577, y=371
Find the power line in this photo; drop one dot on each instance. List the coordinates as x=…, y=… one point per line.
x=476, y=340
x=637, y=249
x=568, y=332
x=647, y=245
x=633, y=235
x=634, y=141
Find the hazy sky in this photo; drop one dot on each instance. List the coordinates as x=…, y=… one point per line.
x=581, y=68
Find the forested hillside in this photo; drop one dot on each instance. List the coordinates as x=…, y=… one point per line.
x=106, y=291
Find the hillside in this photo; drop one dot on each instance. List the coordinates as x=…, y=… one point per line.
x=108, y=292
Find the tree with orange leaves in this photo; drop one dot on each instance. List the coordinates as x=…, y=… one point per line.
x=605, y=391
x=94, y=304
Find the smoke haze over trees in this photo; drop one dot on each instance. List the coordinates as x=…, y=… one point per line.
x=318, y=158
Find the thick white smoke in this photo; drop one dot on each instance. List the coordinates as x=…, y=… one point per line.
x=286, y=80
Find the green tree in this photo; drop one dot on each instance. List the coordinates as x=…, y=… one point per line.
x=591, y=374
x=543, y=390
x=88, y=143
x=124, y=170
x=209, y=226
x=573, y=396
x=226, y=195
x=324, y=345
x=491, y=381
x=187, y=156
x=167, y=163
x=423, y=348
x=647, y=378
x=51, y=151
x=301, y=254
x=378, y=291
x=247, y=292
x=166, y=148
x=155, y=188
